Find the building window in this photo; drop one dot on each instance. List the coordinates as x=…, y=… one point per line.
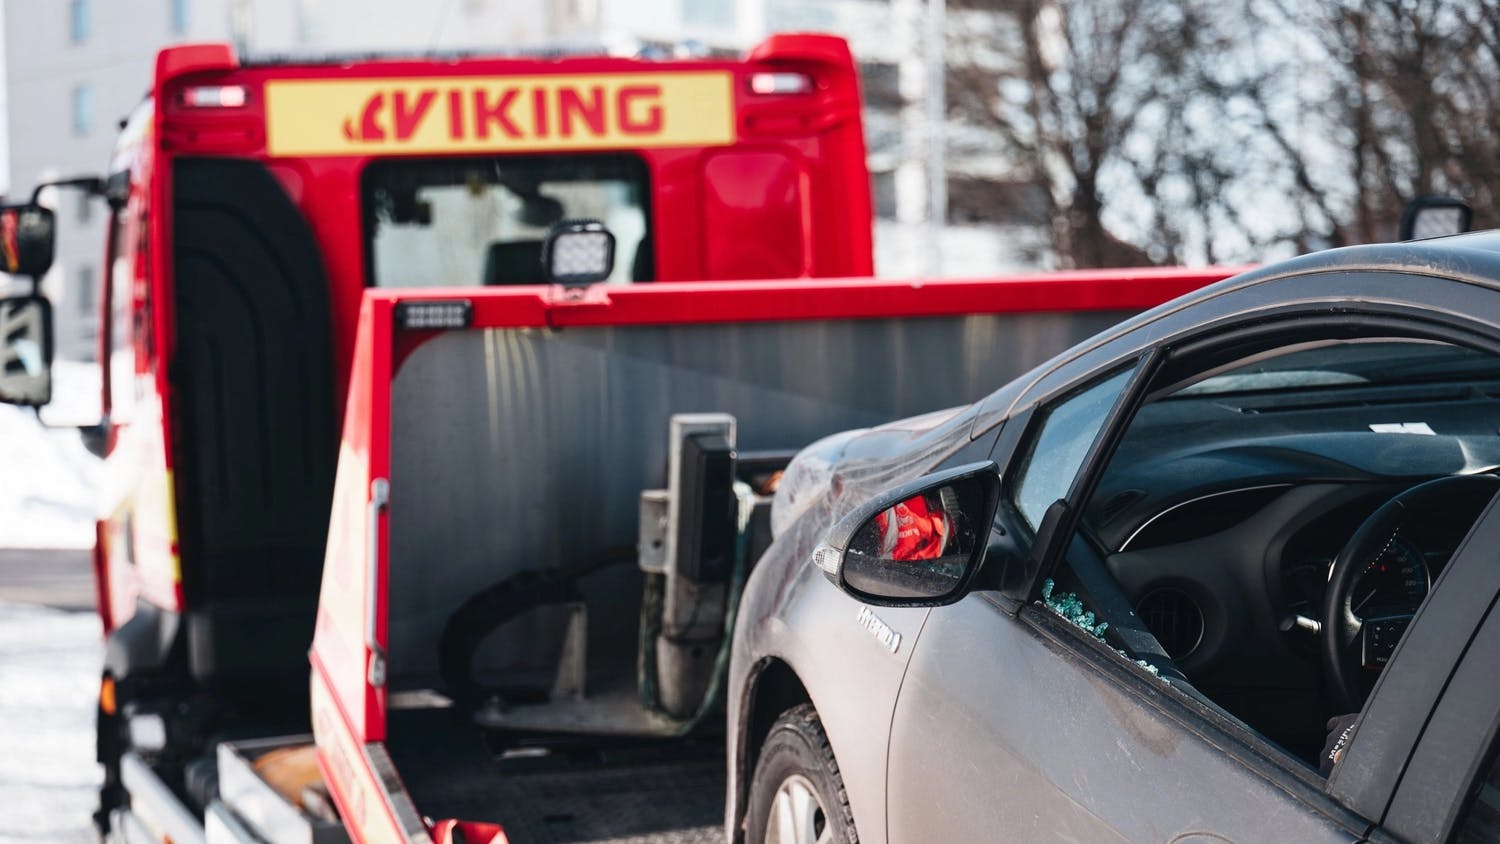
x=715, y=13
x=87, y=296
x=78, y=20
x=241, y=25
x=179, y=17
x=306, y=22
x=83, y=110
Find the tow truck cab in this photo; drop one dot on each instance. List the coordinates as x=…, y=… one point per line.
x=253, y=202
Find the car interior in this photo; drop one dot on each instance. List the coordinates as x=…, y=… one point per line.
x=1256, y=496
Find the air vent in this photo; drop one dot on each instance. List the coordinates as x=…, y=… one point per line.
x=1173, y=618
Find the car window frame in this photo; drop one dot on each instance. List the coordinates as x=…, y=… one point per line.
x=1435, y=781
x=1156, y=357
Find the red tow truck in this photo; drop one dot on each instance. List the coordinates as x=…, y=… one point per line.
x=546, y=495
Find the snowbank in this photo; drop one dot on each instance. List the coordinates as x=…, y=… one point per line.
x=49, y=679
x=48, y=481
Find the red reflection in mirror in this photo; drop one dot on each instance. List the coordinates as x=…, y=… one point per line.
x=916, y=529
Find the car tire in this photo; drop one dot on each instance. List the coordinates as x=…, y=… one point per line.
x=796, y=794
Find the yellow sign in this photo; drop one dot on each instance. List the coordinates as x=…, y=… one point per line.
x=499, y=114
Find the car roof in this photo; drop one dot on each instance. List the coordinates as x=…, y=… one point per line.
x=1472, y=258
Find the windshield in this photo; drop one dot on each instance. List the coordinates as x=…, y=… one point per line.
x=460, y=222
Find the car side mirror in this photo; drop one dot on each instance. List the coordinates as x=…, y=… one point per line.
x=27, y=239
x=917, y=545
x=578, y=253
x=25, y=351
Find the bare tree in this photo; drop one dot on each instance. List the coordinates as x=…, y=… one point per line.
x=1405, y=97
x=1103, y=106
x=1054, y=82
x=1174, y=131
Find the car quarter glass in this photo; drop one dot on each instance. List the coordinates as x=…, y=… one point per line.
x=1061, y=445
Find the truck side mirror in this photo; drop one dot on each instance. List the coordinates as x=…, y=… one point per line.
x=1434, y=215
x=27, y=239
x=25, y=350
x=578, y=253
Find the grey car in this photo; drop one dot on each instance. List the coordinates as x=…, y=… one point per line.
x=1223, y=572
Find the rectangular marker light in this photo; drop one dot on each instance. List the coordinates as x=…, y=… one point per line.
x=780, y=83
x=215, y=96
x=434, y=316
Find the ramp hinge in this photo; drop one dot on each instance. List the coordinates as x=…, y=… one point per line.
x=380, y=497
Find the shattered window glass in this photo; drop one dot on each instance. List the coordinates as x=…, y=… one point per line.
x=1071, y=607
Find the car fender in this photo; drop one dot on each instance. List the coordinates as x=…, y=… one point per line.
x=828, y=644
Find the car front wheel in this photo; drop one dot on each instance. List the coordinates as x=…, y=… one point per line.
x=797, y=796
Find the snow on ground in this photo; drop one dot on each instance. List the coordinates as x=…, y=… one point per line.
x=47, y=478
x=49, y=674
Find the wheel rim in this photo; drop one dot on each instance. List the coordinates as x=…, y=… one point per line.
x=797, y=815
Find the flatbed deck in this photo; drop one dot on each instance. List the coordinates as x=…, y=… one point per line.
x=551, y=792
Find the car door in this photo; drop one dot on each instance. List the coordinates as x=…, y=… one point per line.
x=1449, y=787
x=1012, y=722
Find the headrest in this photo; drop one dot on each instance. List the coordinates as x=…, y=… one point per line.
x=514, y=262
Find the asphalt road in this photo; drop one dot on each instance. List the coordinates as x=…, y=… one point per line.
x=50, y=652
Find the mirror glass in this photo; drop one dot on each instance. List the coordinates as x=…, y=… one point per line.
x=25, y=351
x=1435, y=215
x=921, y=547
x=26, y=239
x=1437, y=222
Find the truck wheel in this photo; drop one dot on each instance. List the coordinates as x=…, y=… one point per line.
x=796, y=795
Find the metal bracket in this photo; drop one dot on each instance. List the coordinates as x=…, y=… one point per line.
x=572, y=664
x=651, y=547
x=380, y=498
x=592, y=296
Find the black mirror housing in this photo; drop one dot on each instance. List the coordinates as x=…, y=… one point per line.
x=1435, y=215
x=578, y=253
x=25, y=351
x=27, y=239
x=918, y=545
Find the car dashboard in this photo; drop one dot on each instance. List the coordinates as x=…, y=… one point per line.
x=1220, y=516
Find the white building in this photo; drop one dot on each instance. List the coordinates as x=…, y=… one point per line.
x=73, y=69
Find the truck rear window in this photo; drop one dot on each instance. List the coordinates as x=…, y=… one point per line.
x=480, y=221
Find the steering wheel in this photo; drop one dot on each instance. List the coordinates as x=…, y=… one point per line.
x=1353, y=643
